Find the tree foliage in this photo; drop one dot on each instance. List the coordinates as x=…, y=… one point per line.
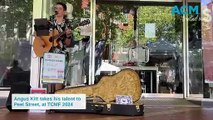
x=17, y=15
x=105, y=15
x=108, y=17
x=165, y=23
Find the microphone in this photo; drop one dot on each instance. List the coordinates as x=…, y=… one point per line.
x=56, y=12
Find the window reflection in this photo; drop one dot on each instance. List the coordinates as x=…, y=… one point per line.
x=129, y=48
x=195, y=55
x=15, y=31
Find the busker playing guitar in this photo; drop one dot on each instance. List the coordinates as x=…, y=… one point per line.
x=60, y=36
x=60, y=23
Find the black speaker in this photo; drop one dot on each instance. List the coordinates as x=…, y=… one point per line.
x=17, y=88
x=18, y=76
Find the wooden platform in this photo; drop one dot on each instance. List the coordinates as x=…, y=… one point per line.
x=155, y=109
x=151, y=113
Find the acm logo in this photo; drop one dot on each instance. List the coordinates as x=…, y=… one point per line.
x=206, y=13
x=185, y=10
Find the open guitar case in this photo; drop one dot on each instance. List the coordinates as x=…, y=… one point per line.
x=109, y=109
x=105, y=103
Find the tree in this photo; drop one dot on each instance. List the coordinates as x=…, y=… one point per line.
x=163, y=19
x=168, y=26
x=16, y=15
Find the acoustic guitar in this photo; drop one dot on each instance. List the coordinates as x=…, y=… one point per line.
x=125, y=82
x=43, y=44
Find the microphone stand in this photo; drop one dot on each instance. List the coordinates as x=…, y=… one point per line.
x=52, y=26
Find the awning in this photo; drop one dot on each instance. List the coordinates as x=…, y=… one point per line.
x=162, y=51
x=107, y=67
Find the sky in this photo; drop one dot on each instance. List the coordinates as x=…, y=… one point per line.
x=205, y=2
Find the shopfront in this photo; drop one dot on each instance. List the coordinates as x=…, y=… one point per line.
x=174, y=64
x=166, y=49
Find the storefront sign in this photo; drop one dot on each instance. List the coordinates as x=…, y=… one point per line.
x=53, y=68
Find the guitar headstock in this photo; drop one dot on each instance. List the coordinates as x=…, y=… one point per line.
x=84, y=22
x=75, y=23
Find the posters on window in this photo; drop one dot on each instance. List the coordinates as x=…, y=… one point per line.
x=53, y=68
x=150, y=30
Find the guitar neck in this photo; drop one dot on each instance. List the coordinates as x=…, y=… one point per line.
x=72, y=27
x=76, y=24
x=53, y=36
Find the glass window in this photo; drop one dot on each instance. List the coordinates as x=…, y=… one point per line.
x=195, y=53
x=164, y=41
x=77, y=69
x=145, y=37
x=15, y=48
